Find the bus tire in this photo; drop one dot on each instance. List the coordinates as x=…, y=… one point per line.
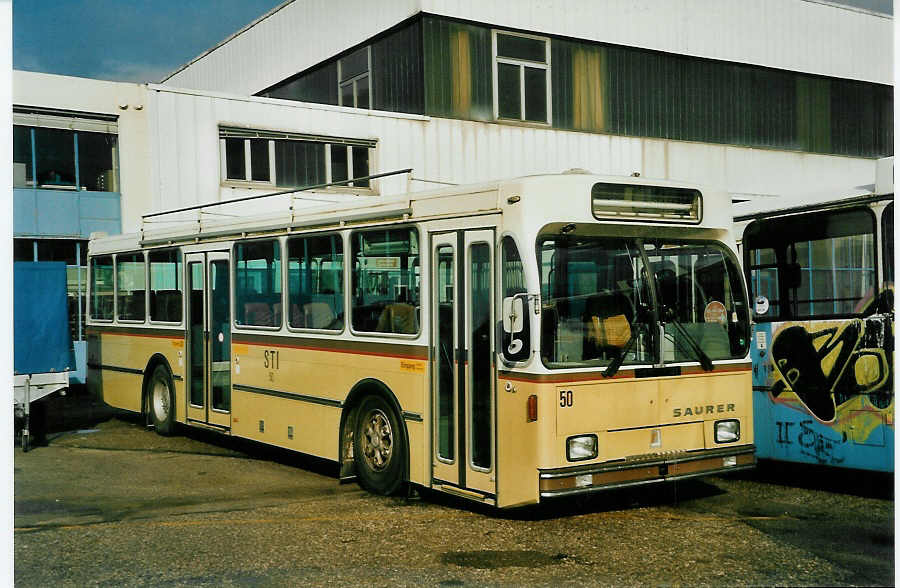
x=379, y=450
x=161, y=401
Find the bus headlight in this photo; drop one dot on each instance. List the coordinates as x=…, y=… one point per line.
x=728, y=431
x=581, y=447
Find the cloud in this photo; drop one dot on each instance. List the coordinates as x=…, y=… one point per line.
x=132, y=71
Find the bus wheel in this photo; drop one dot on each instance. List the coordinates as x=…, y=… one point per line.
x=162, y=401
x=378, y=447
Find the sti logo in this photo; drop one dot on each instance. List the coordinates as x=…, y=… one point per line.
x=701, y=410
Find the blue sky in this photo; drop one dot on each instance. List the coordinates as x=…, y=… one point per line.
x=123, y=40
x=143, y=40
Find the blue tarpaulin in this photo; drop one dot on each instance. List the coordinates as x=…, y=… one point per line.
x=42, y=342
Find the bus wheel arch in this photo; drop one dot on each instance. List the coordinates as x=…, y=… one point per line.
x=384, y=401
x=158, y=395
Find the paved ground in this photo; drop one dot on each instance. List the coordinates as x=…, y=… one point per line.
x=115, y=504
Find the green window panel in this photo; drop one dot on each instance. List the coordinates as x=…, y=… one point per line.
x=457, y=70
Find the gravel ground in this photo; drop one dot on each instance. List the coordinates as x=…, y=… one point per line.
x=115, y=504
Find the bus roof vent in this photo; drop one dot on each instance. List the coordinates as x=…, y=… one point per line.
x=646, y=203
x=576, y=170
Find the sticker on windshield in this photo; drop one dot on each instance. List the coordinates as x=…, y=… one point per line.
x=715, y=312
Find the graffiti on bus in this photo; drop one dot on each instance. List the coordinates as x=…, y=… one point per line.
x=812, y=443
x=839, y=372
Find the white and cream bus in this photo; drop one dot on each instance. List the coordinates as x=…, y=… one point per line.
x=507, y=342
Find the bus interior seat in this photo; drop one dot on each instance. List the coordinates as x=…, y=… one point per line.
x=398, y=317
x=133, y=305
x=607, y=322
x=317, y=315
x=297, y=320
x=262, y=314
x=165, y=305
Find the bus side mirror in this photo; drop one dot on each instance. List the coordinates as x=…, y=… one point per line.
x=513, y=313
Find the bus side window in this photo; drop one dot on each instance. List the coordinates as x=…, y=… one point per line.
x=102, y=288
x=131, y=291
x=513, y=283
x=316, y=282
x=385, y=281
x=165, y=286
x=257, y=283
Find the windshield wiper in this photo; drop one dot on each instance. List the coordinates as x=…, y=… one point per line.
x=705, y=361
x=616, y=363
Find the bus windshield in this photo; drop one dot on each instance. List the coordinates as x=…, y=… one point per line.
x=598, y=307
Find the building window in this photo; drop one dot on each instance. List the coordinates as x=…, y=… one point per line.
x=386, y=281
x=63, y=159
x=248, y=160
x=521, y=77
x=257, y=287
x=316, y=282
x=289, y=160
x=354, y=79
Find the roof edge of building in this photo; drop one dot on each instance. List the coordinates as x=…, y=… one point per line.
x=227, y=39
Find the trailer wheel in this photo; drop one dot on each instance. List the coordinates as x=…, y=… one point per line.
x=162, y=401
x=378, y=447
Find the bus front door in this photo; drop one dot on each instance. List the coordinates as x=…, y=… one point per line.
x=208, y=339
x=463, y=397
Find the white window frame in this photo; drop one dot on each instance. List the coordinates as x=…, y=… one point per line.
x=248, y=164
x=354, y=82
x=521, y=64
x=272, y=182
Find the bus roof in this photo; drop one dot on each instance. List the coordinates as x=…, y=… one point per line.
x=881, y=189
x=539, y=194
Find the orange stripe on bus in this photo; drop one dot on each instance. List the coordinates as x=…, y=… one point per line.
x=330, y=350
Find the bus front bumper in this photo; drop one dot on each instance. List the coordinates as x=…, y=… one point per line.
x=645, y=470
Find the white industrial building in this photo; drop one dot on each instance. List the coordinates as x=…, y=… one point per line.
x=764, y=98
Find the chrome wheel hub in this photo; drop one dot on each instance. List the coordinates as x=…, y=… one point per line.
x=160, y=400
x=377, y=440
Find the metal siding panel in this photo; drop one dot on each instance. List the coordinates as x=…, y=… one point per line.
x=57, y=212
x=24, y=211
x=166, y=151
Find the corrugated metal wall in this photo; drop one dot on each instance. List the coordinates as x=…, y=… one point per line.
x=634, y=92
x=396, y=75
x=185, y=151
x=397, y=71
x=296, y=37
x=794, y=35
